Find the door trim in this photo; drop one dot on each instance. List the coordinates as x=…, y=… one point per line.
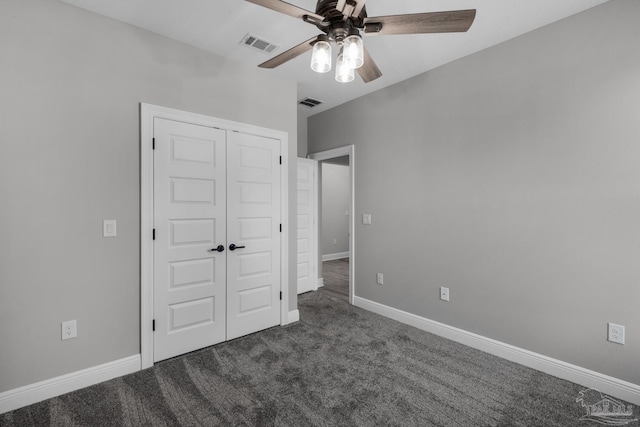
x=347, y=150
x=147, y=113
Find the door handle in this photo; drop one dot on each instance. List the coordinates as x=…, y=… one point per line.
x=233, y=247
x=220, y=248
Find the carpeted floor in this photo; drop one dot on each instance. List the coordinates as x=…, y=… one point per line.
x=338, y=366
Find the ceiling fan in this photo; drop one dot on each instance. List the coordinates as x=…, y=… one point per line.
x=341, y=22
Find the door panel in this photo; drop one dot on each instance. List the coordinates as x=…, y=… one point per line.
x=192, y=191
x=190, y=220
x=307, y=260
x=253, y=221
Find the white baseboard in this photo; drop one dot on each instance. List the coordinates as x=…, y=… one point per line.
x=588, y=378
x=320, y=282
x=339, y=255
x=293, y=316
x=33, y=393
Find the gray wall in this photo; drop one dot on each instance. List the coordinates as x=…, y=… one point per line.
x=71, y=83
x=335, y=201
x=510, y=176
x=302, y=136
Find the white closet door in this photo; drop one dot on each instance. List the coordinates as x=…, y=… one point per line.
x=307, y=259
x=253, y=224
x=189, y=221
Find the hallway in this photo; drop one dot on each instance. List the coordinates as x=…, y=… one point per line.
x=335, y=275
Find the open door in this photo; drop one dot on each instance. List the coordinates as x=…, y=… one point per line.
x=307, y=229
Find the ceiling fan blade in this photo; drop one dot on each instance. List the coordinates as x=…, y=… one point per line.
x=369, y=70
x=350, y=7
x=287, y=9
x=289, y=54
x=455, y=21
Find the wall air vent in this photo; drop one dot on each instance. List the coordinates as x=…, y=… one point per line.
x=257, y=43
x=310, y=102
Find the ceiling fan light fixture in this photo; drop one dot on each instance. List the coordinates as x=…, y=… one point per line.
x=344, y=73
x=321, y=57
x=354, y=51
x=341, y=22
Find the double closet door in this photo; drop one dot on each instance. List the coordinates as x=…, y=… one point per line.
x=217, y=236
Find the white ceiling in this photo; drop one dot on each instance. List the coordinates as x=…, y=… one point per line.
x=218, y=26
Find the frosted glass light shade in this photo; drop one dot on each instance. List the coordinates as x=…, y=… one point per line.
x=344, y=73
x=354, y=51
x=321, y=57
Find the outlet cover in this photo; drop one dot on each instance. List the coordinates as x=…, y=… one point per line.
x=444, y=293
x=380, y=279
x=366, y=219
x=616, y=333
x=69, y=329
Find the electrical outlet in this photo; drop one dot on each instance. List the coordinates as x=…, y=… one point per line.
x=69, y=329
x=380, y=279
x=616, y=333
x=366, y=219
x=335, y=241
x=444, y=293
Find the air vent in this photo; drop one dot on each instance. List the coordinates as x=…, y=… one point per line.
x=310, y=102
x=257, y=43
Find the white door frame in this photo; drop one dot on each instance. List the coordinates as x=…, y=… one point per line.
x=147, y=113
x=347, y=150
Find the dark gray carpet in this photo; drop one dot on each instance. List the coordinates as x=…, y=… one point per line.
x=339, y=365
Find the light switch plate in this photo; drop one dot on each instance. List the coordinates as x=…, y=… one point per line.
x=109, y=228
x=444, y=293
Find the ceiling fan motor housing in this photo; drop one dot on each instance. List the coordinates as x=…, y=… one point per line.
x=339, y=27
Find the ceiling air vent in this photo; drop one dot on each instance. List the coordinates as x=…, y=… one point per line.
x=310, y=102
x=257, y=43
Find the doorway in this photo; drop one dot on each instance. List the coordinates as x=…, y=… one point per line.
x=345, y=156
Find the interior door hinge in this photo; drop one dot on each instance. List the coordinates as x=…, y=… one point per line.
x=154, y=234
x=280, y=159
x=281, y=228
x=280, y=295
x=153, y=325
x=153, y=143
